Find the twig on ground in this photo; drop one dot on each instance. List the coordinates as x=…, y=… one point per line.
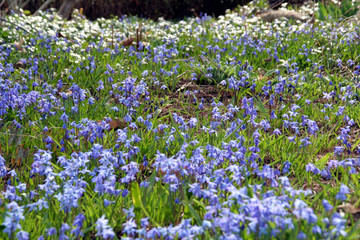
x=45, y=5
x=23, y=5
x=3, y=19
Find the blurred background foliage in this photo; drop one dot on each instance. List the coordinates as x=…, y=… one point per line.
x=173, y=9
x=169, y=9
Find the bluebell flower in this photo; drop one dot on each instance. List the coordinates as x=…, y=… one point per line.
x=338, y=150
x=305, y=142
x=284, y=181
x=51, y=231
x=265, y=124
x=69, y=197
x=292, y=139
x=145, y=73
x=129, y=213
x=286, y=167
x=353, y=170
x=125, y=192
x=144, y=184
x=326, y=174
x=129, y=227
x=341, y=195
x=144, y=222
x=12, y=173
x=339, y=62
x=62, y=232
x=91, y=101
x=310, y=167
x=301, y=235
x=13, y=218
x=277, y=132
x=3, y=169
x=64, y=117
x=103, y=229
x=339, y=223
x=153, y=233
x=316, y=230
x=328, y=207
x=78, y=223
x=107, y=202
x=22, y=235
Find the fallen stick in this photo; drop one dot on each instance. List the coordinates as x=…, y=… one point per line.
x=278, y=14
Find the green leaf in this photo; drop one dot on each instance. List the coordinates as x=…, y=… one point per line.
x=26, y=12
x=322, y=161
x=323, y=13
x=135, y=194
x=261, y=106
x=136, y=197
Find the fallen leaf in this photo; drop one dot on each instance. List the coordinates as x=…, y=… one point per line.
x=267, y=59
x=349, y=208
x=19, y=64
x=115, y=124
x=19, y=44
x=22, y=155
x=127, y=42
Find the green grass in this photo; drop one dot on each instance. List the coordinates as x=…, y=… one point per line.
x=278, y=67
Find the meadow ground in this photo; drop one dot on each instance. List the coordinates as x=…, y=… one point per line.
x=227, y=128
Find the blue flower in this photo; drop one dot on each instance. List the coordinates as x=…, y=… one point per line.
x=277, y=132
x=129, y=213
x=62, y=232
x=312, y=168
x=328, y=207
x=78, y=223
x=286, y=167
x=51, y=231
x=3, y=169
x=129, y=227
x=301, y=235
x=145, y=73
x=13, y=218
x=341, y=195
x=338, y=150
x=144, y=222
x=22, y=235
x=103, y=229
x=339, y=224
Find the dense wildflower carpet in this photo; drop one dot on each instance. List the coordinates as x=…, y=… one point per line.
x=227, y=128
